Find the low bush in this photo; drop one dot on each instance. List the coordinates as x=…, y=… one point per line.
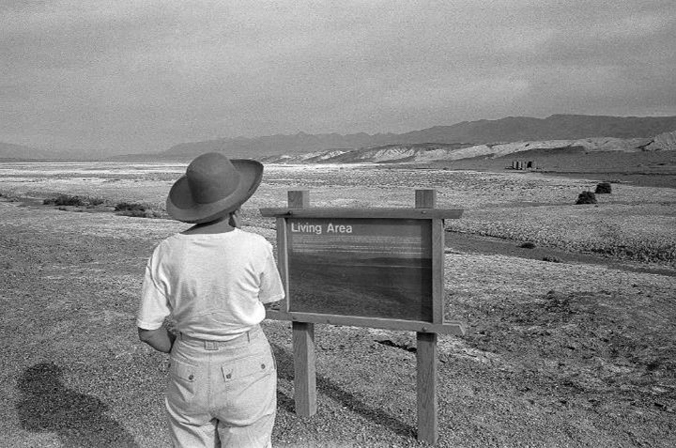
x=65, y=199
x=130, y=207
x=135, y=210
x=586, y=197
x=9, y=197
x=603, y=188
x=135, y=213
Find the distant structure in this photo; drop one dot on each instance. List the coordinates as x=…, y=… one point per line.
x=521, y=165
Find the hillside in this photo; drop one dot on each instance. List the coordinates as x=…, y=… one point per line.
x=419, y=153
x=468, y=133
x=280, y=144
x=554, y=127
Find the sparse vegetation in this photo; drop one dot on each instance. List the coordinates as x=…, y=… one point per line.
x=586, y=197
x=604, y=188
x=135, y=210
x=8, y=197
x=64, y=200
x=129, y=207
x=552, y=345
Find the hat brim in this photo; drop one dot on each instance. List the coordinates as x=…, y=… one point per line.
x=181, y=206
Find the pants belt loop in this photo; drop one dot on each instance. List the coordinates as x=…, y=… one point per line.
x=248, y=336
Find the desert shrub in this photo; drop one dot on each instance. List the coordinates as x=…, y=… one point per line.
x=135, y=213
x=646, y=251
x=64, y=200
x=603, y=188
x=135, y=210
x=528, y=245
x=9, y=197
x=130, y=207
x=586, y=197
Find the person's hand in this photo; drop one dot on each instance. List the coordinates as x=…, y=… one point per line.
x=235, y=219
x=274, y=306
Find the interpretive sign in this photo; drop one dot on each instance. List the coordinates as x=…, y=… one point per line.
x=379, y=268
x=361, y=267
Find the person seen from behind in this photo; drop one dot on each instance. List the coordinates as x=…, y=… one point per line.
x=213, y=280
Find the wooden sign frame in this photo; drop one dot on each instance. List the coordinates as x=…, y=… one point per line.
x=426, y=330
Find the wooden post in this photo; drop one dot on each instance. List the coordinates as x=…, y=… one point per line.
x=426, y=353
x=304, y=357
x=305, y=378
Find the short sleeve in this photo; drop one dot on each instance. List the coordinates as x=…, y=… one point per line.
x=154, y=306
x=271, y=287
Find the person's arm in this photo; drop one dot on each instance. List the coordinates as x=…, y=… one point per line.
x=273, y=306
x=271, y=288
x=161, y=339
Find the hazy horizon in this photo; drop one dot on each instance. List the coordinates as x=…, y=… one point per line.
x=141, y=76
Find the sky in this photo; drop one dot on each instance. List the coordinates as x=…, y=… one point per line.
x=123, y=76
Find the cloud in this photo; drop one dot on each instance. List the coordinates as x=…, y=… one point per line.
x=148, y=74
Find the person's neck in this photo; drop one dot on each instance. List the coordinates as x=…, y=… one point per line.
x=219, y=226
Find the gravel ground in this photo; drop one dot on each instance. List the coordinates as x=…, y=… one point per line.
x=571, y=353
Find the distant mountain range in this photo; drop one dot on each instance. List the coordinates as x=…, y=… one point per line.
x=434, y=152
x=460, y=135
x=9, y=151
x=467, y=133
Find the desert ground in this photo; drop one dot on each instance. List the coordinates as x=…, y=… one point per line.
x=570, y=309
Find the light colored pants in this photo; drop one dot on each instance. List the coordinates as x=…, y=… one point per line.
x=222, y=393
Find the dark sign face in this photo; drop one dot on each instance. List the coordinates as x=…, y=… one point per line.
x=361, y=267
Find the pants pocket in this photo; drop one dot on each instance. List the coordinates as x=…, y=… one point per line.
x=182, y=381
x=258, y=365
x=251, y=383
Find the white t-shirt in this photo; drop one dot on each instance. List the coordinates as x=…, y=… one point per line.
x=213, y=285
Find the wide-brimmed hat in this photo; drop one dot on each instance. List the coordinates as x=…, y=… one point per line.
x=213, y=185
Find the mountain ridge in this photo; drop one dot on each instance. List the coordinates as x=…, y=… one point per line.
x=503, y=130
x=425, y=153
x=466, y=133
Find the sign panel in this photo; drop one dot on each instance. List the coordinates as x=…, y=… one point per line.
x=360, y=267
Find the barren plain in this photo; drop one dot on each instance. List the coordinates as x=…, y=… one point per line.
x=570, y=311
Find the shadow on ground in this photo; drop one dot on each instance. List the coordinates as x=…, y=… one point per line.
x=325, y=386
x=79, y=420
